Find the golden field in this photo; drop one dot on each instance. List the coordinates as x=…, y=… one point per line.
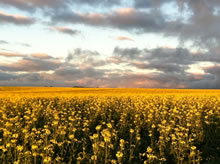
x=68, y=125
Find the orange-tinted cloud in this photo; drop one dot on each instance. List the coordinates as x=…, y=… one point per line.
x=66, y=30
x=15, y=19
x=41, y=56
x=124, y=38
x=9, y=54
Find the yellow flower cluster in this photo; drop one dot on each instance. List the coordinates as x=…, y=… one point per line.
x=109, y=126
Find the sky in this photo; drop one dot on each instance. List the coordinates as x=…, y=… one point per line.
x=110, y=43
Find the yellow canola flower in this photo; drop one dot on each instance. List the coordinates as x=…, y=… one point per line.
x=98, y=127
x=47, y=159
x=71, y=136
x=34, y=147
x=119, y=154
x=131, y=131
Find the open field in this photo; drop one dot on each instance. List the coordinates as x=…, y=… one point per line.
x=68, y=125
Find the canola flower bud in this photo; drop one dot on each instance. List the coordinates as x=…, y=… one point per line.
x=193, y=147
x=71, y=136
x=34, y=147
x=131, y=131
x=8, y=145
x=149, y=150
x=17, y=162
x=94, y=157
x=98, y=127
x=15, y=135
x=119, y=155
x=48, y=132
x=192, y=154
x=109, y=125
x=47, y=159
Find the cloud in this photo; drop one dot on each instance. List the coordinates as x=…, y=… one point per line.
x=24, y=44
x=166, y=67
x=34, y=55
x=66, y=30
x=28, y=79
x=214, y=72
x=15, y=19
x=96, y=2
x=122, y=18
x=9, y=54
x=149, y=3
x=154, y=68
x=162, y=55
x=209, y=80
x=81, y=55
x=169, y=66
x=41, y=56
x=28, y=64
x=71, y=73
x=122, y=38
x=33, y=5
x=197, y=21
x=166, y=70
x=128, y=53
x=6, y=76
x=3, y=42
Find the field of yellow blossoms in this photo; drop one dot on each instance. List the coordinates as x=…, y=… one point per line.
x=104, y=126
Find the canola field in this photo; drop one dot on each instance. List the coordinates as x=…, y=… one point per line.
x=109, y=126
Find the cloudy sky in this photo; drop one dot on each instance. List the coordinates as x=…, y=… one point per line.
x=110, y=43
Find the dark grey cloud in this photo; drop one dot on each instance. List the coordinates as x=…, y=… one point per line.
x=129, y=53
x=201, y=22
x=180, y=56
x=81, y=55
x=6, y=76
x=77, y=73
x=46, y=5
x=32, y=5
x=15, y=19
x=28, y=64
x=68, y=71
x=209, y=80
x=96, y=2
x=166, y=67
x=214, y=72
x=173, y=65
x=124, y=18
x=160, y=56
x=149, y=3
x=162, y=59
x=29, y=79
